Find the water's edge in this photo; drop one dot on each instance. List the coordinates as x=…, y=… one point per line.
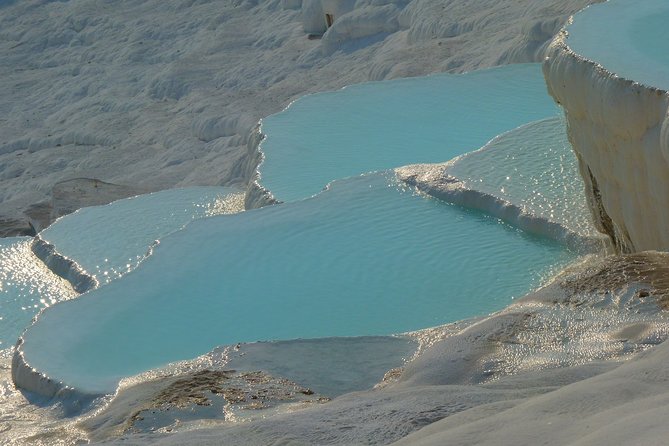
x=63, y=267
x=450, y=189
x=256, y=196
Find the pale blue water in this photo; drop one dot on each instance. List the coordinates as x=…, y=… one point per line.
x=627, y=37
x=363, y=258
x=335, y=366
x=26, y=286
x=109, y=241
x=534, y=168
x=383, y=125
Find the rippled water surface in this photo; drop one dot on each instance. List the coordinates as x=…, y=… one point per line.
x=534, y=168
x=363, y=258
x=383, y=125
x=108, y=241
x=26, y=286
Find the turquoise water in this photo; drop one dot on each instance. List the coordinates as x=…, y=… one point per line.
x=26, y=286
x=383, y=125
x=362, y=258
x=109, y=241
x=627, y=37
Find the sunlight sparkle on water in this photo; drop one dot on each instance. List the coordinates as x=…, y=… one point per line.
x=362, y=258
x=127, y=241
x=376, y=126
x=26, y=286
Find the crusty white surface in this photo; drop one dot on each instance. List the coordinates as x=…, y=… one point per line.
x=163, y=93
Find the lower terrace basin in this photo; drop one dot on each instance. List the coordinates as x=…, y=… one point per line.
x=365, y=257
x=382, y=125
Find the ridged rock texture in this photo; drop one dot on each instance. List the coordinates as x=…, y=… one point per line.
x=620, y=133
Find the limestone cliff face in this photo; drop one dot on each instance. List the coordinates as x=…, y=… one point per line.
x=619, y=130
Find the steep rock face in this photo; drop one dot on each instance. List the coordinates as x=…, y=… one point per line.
x=620, y=132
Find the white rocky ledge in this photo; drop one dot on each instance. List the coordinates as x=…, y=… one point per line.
x=620, y=133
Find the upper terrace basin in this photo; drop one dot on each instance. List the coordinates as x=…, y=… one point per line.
x=610, y=72
x=382, y=125
x=111, y=240
x=628, y=38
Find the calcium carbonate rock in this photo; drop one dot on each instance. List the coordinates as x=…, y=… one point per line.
x=619, y=131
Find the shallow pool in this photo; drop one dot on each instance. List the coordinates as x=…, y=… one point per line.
x=363, y=258
x=534, y=168
x=383, y=125
x=111, y=240
x=629, y=38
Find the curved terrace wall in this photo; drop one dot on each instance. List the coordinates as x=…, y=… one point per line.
x=620, y=132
